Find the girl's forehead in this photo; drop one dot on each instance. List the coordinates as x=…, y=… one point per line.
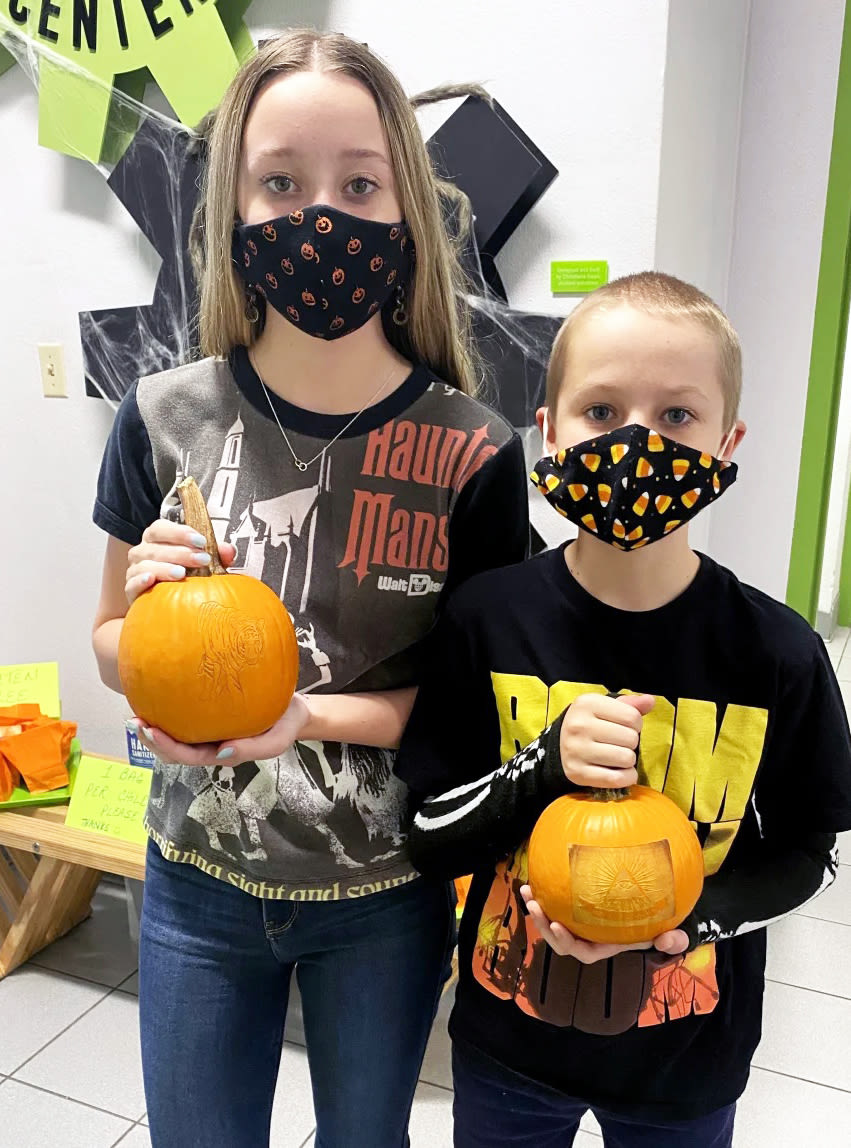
x=306, y=110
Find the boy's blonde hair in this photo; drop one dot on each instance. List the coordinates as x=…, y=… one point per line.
x=438, y=329
x=656, y=294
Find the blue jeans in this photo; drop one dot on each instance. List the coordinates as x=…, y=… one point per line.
x=215, y=965
x=496, y=1106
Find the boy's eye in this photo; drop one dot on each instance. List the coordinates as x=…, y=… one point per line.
x=279, y=184
x=678, y=416
x=360, y=185
x=599, y=412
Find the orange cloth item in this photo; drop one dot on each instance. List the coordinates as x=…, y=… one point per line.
x=8, y=779
x=33, y=747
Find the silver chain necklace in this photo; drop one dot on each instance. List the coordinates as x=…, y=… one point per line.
x=299, y=463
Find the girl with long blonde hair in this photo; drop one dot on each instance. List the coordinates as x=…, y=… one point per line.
x=332, y=428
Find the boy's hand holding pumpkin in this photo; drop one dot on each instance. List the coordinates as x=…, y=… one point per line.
x=599, y=744
x=599, y=739
x=563, y=942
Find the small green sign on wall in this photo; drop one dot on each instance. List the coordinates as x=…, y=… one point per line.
x=578, y=276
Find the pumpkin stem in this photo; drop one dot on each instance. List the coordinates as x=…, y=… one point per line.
x=610, y=794
x=195, y=515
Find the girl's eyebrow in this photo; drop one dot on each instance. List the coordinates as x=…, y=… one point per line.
x=346, y=153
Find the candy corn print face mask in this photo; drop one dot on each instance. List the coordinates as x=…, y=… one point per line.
x=631, y=486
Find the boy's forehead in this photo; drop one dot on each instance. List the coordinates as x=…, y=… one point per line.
x=623, y=344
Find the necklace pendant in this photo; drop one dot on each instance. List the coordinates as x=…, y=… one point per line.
x=299, y=465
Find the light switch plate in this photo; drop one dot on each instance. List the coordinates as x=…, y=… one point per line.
x=52, y=362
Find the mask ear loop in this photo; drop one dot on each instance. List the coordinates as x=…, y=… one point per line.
x=725, y=445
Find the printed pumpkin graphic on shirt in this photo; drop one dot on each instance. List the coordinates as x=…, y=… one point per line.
x=706, y=762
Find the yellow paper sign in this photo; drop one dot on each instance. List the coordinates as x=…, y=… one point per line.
x=110, y=797
x=33, y=682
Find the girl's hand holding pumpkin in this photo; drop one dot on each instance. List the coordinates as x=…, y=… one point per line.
x=599, y=739
x=165, y=553
x=564, y=943
x=275, y=741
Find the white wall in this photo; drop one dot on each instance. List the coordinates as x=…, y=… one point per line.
x=68, y=246
x=787, y=124
x=704, y=74
x=585, y=80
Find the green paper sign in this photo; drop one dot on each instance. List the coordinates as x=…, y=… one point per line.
x=189, y=48
x=110, y=797
x=578, y=276
x=32, y=682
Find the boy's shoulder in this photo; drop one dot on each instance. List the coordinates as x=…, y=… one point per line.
x=505, y=586
x=783, y=634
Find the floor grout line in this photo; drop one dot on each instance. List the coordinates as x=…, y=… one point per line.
x=803, y=1079
x=67, y=1027
x=125, y=1134
x=827, y=920
x=434, y=1084
x=33, y=964
x=71, y=1099
x=807, y=989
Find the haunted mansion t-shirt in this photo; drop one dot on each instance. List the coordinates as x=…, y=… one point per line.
x=748, y=736
x=425, y=488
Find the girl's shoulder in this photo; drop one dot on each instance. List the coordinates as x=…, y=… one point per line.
x=442, y=404
x=198, y=389
x=200, y=377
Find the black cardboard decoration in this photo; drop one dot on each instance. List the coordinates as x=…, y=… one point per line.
x=491, y=159
x=479, y=146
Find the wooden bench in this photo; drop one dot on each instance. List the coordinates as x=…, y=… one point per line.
x=48, y=876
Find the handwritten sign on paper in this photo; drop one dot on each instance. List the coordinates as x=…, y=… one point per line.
x=110, y=797
x=32, y=682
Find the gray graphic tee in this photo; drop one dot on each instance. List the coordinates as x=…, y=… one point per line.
x=425, y=489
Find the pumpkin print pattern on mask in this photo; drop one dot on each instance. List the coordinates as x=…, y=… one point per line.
x=631, y=486
x=326, y=271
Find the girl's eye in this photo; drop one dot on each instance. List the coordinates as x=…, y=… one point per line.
x=360, y=185
x=278, y=184
x=678, y=416
x=599, y=412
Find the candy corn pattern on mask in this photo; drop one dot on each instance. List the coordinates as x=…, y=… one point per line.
x=631, y=486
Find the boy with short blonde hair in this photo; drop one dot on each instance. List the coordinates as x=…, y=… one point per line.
x=545, y=676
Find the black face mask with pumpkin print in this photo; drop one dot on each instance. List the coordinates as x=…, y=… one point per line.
x=326, y=271
x=630, y=487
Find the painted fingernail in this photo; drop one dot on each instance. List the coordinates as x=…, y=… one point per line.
x=203, y=559
x=148, y=732
x=198, y=540
x=178, y=571
x=224, y=754
x=132, y=725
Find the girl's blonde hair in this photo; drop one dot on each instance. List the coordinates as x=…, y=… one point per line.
x=438, y=331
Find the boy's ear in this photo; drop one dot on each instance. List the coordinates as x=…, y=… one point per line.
x=545, y=425
x=732, y=441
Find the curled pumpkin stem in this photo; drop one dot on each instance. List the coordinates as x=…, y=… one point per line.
x=195, y=514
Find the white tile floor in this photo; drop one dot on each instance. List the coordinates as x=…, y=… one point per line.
x=69, y=1063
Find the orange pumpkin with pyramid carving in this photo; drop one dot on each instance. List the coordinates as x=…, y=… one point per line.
x=615, y=866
